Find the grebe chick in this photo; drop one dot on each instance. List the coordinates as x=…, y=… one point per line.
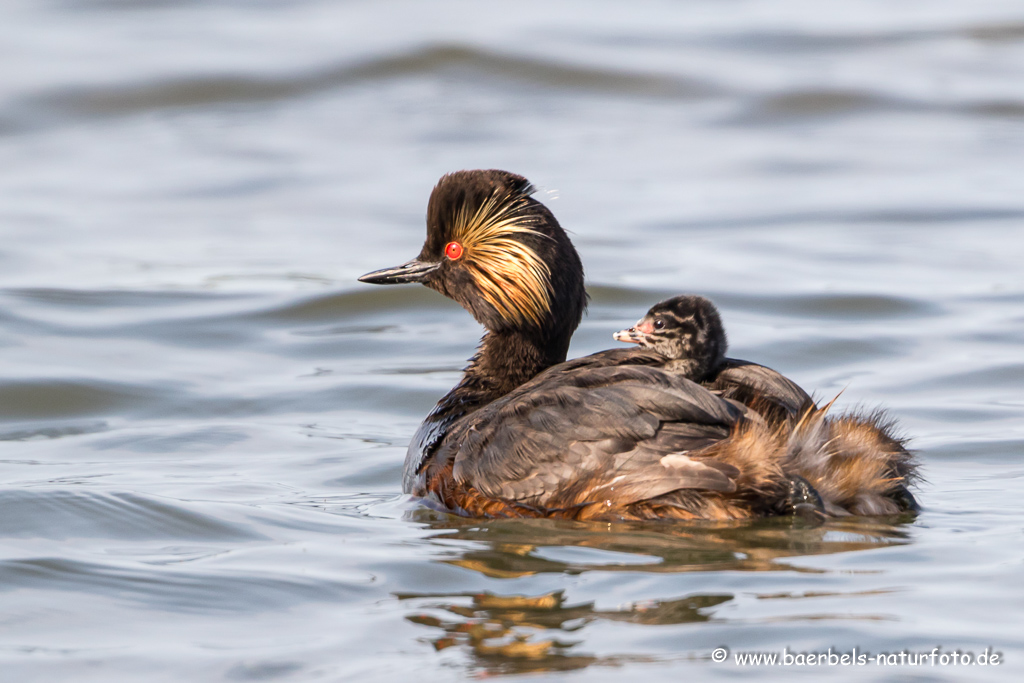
x=688, y=332
x=685, y=329
x=856, y=460
x=610, y=436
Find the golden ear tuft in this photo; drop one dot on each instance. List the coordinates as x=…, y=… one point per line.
x=510, y=275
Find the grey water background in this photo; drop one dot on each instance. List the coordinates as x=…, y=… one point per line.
x=203, y=415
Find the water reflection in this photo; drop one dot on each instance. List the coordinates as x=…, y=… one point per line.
x=512, y=548
x=514, y=633
x=519, y=634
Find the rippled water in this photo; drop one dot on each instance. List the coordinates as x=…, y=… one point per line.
x=204, y=416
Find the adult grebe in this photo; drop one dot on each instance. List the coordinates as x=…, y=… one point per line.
x=609, y=436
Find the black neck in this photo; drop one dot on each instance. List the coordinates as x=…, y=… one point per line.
x=504, y=361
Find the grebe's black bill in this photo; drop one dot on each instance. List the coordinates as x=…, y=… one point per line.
x=411, y=271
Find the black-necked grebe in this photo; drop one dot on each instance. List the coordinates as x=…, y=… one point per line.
x=613, y=435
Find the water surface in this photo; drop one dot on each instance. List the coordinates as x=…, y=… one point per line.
x=203, y=415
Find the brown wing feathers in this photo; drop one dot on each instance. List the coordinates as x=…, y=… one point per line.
x=632, y=442
x=610, y=434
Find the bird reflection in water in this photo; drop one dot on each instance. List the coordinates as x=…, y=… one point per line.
x=515, y=633
x=501, y=632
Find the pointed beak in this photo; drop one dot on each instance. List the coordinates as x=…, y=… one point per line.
x=629, y=335
x=635, y=334
x=412, y=271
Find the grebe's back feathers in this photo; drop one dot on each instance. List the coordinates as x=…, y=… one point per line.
x=776, y=396
x=598, y=432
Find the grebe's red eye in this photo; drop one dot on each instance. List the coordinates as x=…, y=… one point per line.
x=453, y=250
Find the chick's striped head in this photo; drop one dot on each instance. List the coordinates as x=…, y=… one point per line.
x=686, y=329
x=494, y=243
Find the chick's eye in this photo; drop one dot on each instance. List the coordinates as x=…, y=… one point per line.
x=453, y=250
x=659, y=323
